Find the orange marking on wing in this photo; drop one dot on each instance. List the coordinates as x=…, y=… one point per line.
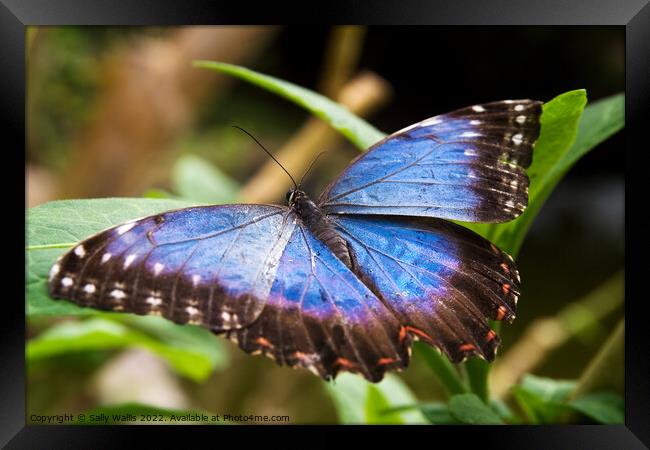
x=504, y=266
x=490, y=335
x=264, y=342
x=466, y=348
x=402, y=334
x=419, y=333
x=299, y=355
x=384, y=361
x=506, y=288
x=344, y=362
x=494, y=248
x=501, y=313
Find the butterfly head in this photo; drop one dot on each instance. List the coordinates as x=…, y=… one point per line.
x=295, y=194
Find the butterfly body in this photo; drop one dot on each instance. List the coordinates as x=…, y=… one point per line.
x=346, y=282
x=318, y=223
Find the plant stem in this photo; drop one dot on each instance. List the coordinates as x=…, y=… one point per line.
x=444, y=370
x=548, y=333
x=605, y=370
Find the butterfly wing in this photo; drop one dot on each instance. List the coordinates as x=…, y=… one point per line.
x=252, y=271
x=212, y=265
x=465, y=165
x=320, y=316
x=442, y=281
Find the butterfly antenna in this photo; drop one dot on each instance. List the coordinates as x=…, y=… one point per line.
x=268, y=153
x=310, y=166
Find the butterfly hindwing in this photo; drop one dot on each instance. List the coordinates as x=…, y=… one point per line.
x=442, y=281
x=465, y=165
x=320, y=316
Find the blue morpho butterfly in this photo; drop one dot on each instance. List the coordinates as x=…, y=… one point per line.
x=346, y=282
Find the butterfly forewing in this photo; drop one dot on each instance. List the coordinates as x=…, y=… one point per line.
x=465, y=165
x=212, y=266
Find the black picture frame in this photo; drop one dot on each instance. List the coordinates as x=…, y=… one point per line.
x=634, y=15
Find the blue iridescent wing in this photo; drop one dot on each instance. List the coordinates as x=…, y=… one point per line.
x=212, y=265
x=465, y=165
x=252, y=271
x=320, y=316
x=442, y=281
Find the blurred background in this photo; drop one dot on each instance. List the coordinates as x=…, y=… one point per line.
x=120, y=111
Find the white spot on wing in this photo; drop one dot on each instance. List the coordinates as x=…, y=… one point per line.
x=474, y=122
x=520, y=119
x=157, y=268
x=225, y=316
x=517, y=138
x=192, y=311
x=66, y=281
x=105, y=257
x=80, y=251
x=196, y=279
x=478, y=108
x=54, y=271
x=129, y=260
x=470, y=134
x=89, y=288
x=124, y=228
x=470, y=152
x=117, y=294
x=153, y=301
x=519, y=108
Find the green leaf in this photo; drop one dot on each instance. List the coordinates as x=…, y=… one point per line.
x=360, y=402
x=504, y=411
x=436, y=413
x=470, y=409
x=145, y=414
x=556, y=152
x=158, y=194
x=542, y=399
x=603, y=407
x=54, y=227
x=196, y=179
x=358, y=131
x=191, y=351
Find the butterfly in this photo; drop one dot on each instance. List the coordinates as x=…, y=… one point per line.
x=346, y=282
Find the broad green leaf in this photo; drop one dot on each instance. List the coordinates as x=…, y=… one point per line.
x=542, y=399
x=198, y=180
x=360, y=402
x=470, y=409
x=436, y=413
x=137, y=413
x=358, y=131
x=603, y=407
x=54, y=227
x=504, y=411
x=191, y=351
